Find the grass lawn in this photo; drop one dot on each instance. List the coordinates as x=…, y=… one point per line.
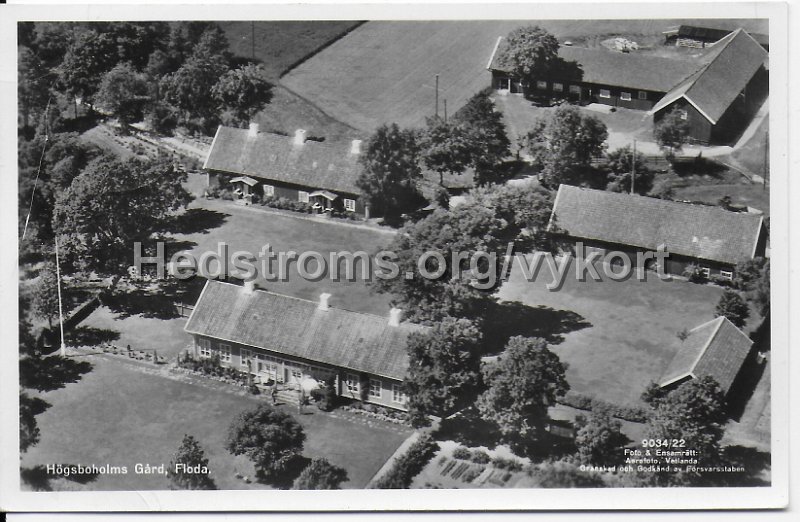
x=632, y=333
x=141, y=333
x=752, y=195
x=249, y=229
x=119, y=415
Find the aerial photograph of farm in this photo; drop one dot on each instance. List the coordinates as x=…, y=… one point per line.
x=388, y=254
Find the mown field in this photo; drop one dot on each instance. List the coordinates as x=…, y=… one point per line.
x=280, y=44
x=384, y=71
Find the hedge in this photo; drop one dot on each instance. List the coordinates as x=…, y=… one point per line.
x=585, y=402
x=408, y=465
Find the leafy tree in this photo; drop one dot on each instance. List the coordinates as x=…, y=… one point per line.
x=565, y=144
x=45, y=298
x=525, y=210
x=694, y=412
x=732, y=306
x=137, y=41
x=487, y=133
x=123, y=92
x=599, y=439
x=446, y=147
x=390, y=172
x=620, y=164
x=320, y=474
x=111, y=205
x=563, y=474
x=460, y=290
x=671, y=133
x=269, y=437
x=33, y=85
x=190, y=88
x=192, y=456
x=243, y=91
x=530, y=52
x=51, y=40
x=87, y=58
x=520, y=386
x=444, y=369
x=29, y=408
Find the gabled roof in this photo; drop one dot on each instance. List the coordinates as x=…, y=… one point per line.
x=268, y=156
x=716, y=348
x=605, y=67
x=295, y=327
x=734, y=61
x=698, y=231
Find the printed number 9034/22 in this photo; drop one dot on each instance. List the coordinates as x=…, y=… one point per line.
x=663, y=443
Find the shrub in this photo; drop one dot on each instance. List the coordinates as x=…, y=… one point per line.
x=507, y=464
x=480, y=457
x=693, y=273
x=408, y=465
x=720, y=280
x=461, y=453
x=226, y=194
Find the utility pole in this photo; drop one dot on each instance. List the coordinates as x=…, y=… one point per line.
x=445, y=110
x=60, y=310
x=437, y=96
x=633, y=166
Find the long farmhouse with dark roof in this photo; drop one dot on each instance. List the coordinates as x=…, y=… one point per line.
x=273, y=165
x=288, y=340
x=712, y=238
x=716, y=92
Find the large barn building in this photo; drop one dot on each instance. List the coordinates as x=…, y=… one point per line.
x=712, y=238
x=273, y=165
x=717, y=92
x=717, y=349
x=283, y=339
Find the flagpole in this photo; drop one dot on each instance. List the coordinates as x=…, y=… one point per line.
x=60, y=310
x=633, y=166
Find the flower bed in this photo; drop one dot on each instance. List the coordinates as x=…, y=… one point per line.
x=378, y=412
x=212, y=369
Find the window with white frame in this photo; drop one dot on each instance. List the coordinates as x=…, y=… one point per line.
x=350, y=205
x=225, y=353
x=204, y=348
x=575, y=89
x=704, y=270
x=302, y=196
x=351, y=381
x=726, y=274
x=398, y=395
x=625, y=96
x=642, y=95
x=558, y=87
x=605, y=93
x=684, y=114
x=269, y=190
x=245, y=356
x=375, y=388
x=541, y=85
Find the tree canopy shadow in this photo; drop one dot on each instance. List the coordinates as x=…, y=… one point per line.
x=39, y=480
x=51, y=373
x=754, y=462
x=195, y=221
x=287, y=477
x=467, y=427
x=89, y=336
x=506, y=319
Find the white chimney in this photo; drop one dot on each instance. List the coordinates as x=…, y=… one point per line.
x=299, y=137
x=249, y=287
x=355, y=147
x=395, y=315
x=323, y=302
x=253, y=131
